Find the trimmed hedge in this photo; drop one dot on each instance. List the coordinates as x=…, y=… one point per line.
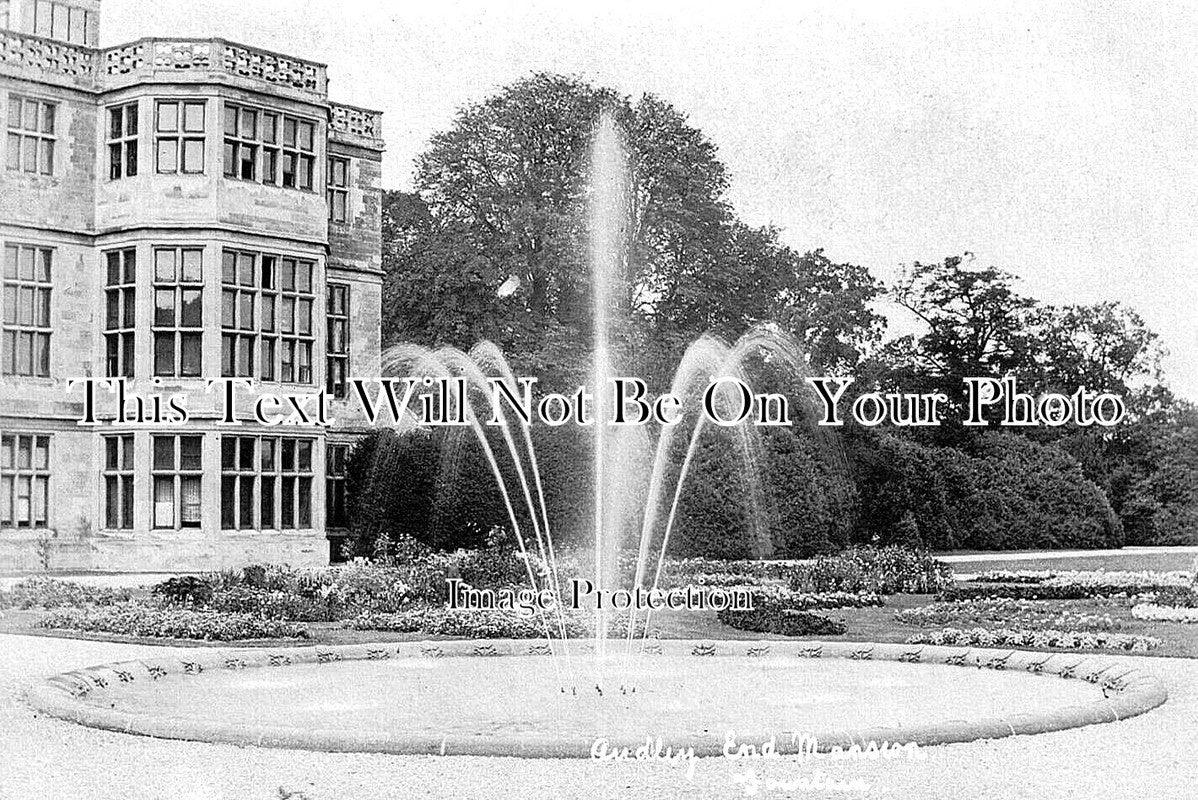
x=1004, y=492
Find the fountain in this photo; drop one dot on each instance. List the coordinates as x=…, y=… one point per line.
x=456, y=698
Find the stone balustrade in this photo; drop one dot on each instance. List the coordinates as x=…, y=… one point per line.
x=35, y=56
x=356, y=121
x=151, y=58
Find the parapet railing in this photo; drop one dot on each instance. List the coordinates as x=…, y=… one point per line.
x=152, y=57
x=355, y=121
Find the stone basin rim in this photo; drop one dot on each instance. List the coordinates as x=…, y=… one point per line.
x=1130, y=691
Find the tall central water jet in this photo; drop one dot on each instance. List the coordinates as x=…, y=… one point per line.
x=607, y=215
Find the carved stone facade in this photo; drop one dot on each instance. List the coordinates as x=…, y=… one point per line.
x=176, y=211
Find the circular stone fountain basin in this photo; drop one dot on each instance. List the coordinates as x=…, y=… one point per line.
x=512, y=698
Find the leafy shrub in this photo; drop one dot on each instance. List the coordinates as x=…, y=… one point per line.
x=186, y=589
x=41, y=592
x=136, y=620
x=782, y=621
x=1040, y=637
x=885, y=570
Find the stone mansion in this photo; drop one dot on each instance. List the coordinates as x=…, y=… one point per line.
x=174, y=211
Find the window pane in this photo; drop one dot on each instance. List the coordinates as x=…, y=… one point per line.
x=168, y=117
x=164, y=354
x=164, y=452
x=190, y=358
x=228, y=452
x=228, y=491
x=267, y=504
x=13, y=160
x=287, y=518
x=228, y=308
x=189, y=452
x=246, y=504
x=268, y=312
x=116, y=123
x=245, y=310
x=164, y=502
x=230, y=120
x=193, y=156
x=164, y=307
x=193, y=117
x=127, y=502
x=245, y=269
x=189, y=490
x=164, y=265
x=249, y=124
x=168, y=156
x=270, y=166
x=304, y=503
x=112, y=492
x=192, y=266
x=306, y=167
x=191, y=316
x=246, y=457
x=248, y=162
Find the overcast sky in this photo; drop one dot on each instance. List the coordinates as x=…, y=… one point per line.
x=1060, y=143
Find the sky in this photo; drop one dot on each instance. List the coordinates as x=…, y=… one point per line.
x=1056, y=141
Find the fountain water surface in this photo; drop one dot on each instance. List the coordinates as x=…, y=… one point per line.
x=635, y=483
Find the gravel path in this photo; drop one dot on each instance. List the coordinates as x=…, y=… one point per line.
x=1148, y=757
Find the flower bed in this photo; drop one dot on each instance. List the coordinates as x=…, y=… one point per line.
x=1024, y=613
x=1067, y=585
x=1014, y=576
x=1040, y=638
x=136, y=620
x=478, y=624
x=1155, y=613
x=44, y=592
x=885, y=570
x=1175, y=596
x=782, y=597
x=790, y=613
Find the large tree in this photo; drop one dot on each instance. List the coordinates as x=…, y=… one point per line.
x=493, y=242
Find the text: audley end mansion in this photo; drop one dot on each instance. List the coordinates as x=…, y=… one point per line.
x=173, y=211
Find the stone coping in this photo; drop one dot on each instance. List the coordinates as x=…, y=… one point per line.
x=1128, y=691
